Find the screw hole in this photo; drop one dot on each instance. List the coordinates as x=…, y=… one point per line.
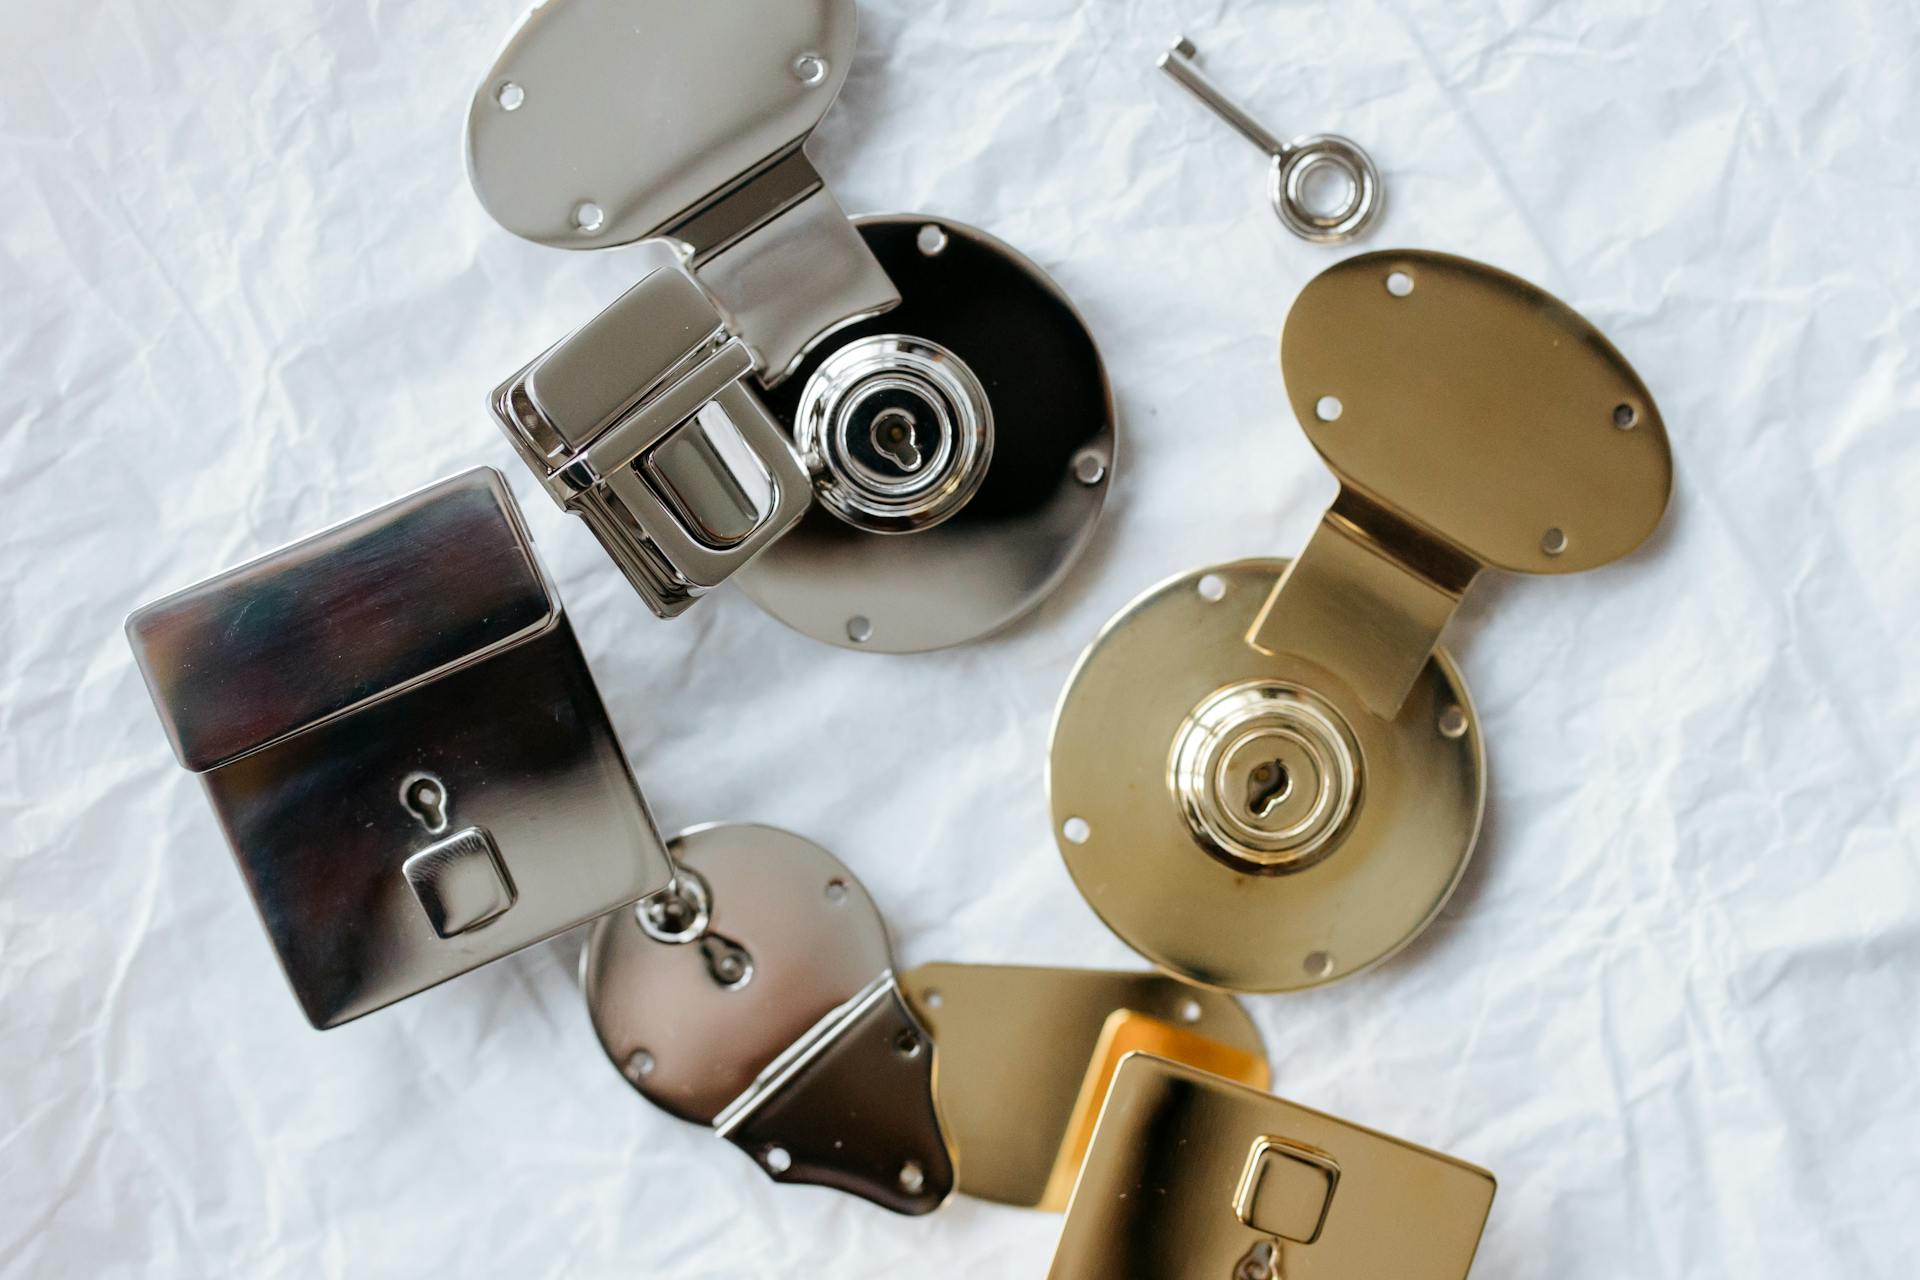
x=1399, y=283
x=932, y=239
x=810, y=69
x=836, y=890
x=907, y=1043
x=1553, y=541
x=510, y=95
x=588, y=217
x=1625, y=416
x=1076, y=830
x=1327, y=408
x=859, y=629
x=913, y=1179
x=1212, y=588
x=933, y=998
x=1089, y=469
x=777, y=1159
x=1453, y=723
x=1319, y=964
x=640, y=1064
x=1190, y=1010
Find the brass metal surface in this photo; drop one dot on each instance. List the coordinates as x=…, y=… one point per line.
x=1474, y=421
x=1025, y=1053
x=1192, y=1177
x=1142, y=864
x=1298, y=724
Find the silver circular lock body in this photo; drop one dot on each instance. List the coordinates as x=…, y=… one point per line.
x=961, y=446
x=896, y=432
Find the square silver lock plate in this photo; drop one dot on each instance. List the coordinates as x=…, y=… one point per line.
x=404, y=745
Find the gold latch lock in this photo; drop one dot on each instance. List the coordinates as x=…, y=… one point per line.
x=1267, y=775
x=1194, y=1177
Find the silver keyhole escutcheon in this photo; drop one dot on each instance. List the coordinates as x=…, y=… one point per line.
x=425, y=797
x=895, y=435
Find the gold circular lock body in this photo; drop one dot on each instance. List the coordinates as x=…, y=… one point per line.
x=1241, y=818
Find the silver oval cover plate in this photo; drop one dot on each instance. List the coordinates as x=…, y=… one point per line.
x=602, y=122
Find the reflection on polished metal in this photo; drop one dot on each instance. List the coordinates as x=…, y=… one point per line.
x=1192, y=1177
x=687, y=121
x=779, y=1023
x=681, y=473
x=896, y=431
x=609, y=121
x=961, y=469
x=1294, y=163
x=1026, y=1055
x=353, y=698
x=1190, y=866
x=1266, y=776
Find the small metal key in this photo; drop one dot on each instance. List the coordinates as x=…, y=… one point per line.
x=1293, y=162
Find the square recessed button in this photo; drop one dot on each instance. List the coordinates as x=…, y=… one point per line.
x=460, y=881
x=1286, y=1190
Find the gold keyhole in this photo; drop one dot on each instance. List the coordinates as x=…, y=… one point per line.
x=1267, y=786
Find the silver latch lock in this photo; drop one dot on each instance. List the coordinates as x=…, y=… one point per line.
x=930, y=387
x=404, y=746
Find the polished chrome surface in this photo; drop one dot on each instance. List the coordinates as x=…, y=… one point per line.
x=1192, y=1177
x=355, y=696
x=603, y=122
x=337, y=620
x=896, y=432
x=1294, y=163
x=775, y=1019
x=1274, y=885
x=851, y=1107
x=1053, y=452
x=640, y=423
x=1026, y=1054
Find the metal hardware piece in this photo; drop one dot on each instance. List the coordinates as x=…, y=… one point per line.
x=1192, y=1177
x=1026, y=1054
x=604, y=122
x=991, y=492
x=352, y=697
x=641, y=423
x=1266, y=776
x=808, y=1058
x=1294, y=163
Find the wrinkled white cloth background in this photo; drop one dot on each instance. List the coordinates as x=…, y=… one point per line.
x=1674, y=1005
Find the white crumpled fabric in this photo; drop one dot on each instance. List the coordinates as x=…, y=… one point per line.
x=1675, y=1006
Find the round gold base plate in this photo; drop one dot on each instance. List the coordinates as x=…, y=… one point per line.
x=1132, y=850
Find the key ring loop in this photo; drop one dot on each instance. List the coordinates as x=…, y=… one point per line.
x=1286, y=188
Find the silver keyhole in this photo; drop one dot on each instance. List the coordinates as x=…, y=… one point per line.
x=895, y=436
x=425, y=797
x=1267, y=786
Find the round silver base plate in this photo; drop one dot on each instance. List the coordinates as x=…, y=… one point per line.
x=1271, y=893
x=1036, y=507
x=692, y=1039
